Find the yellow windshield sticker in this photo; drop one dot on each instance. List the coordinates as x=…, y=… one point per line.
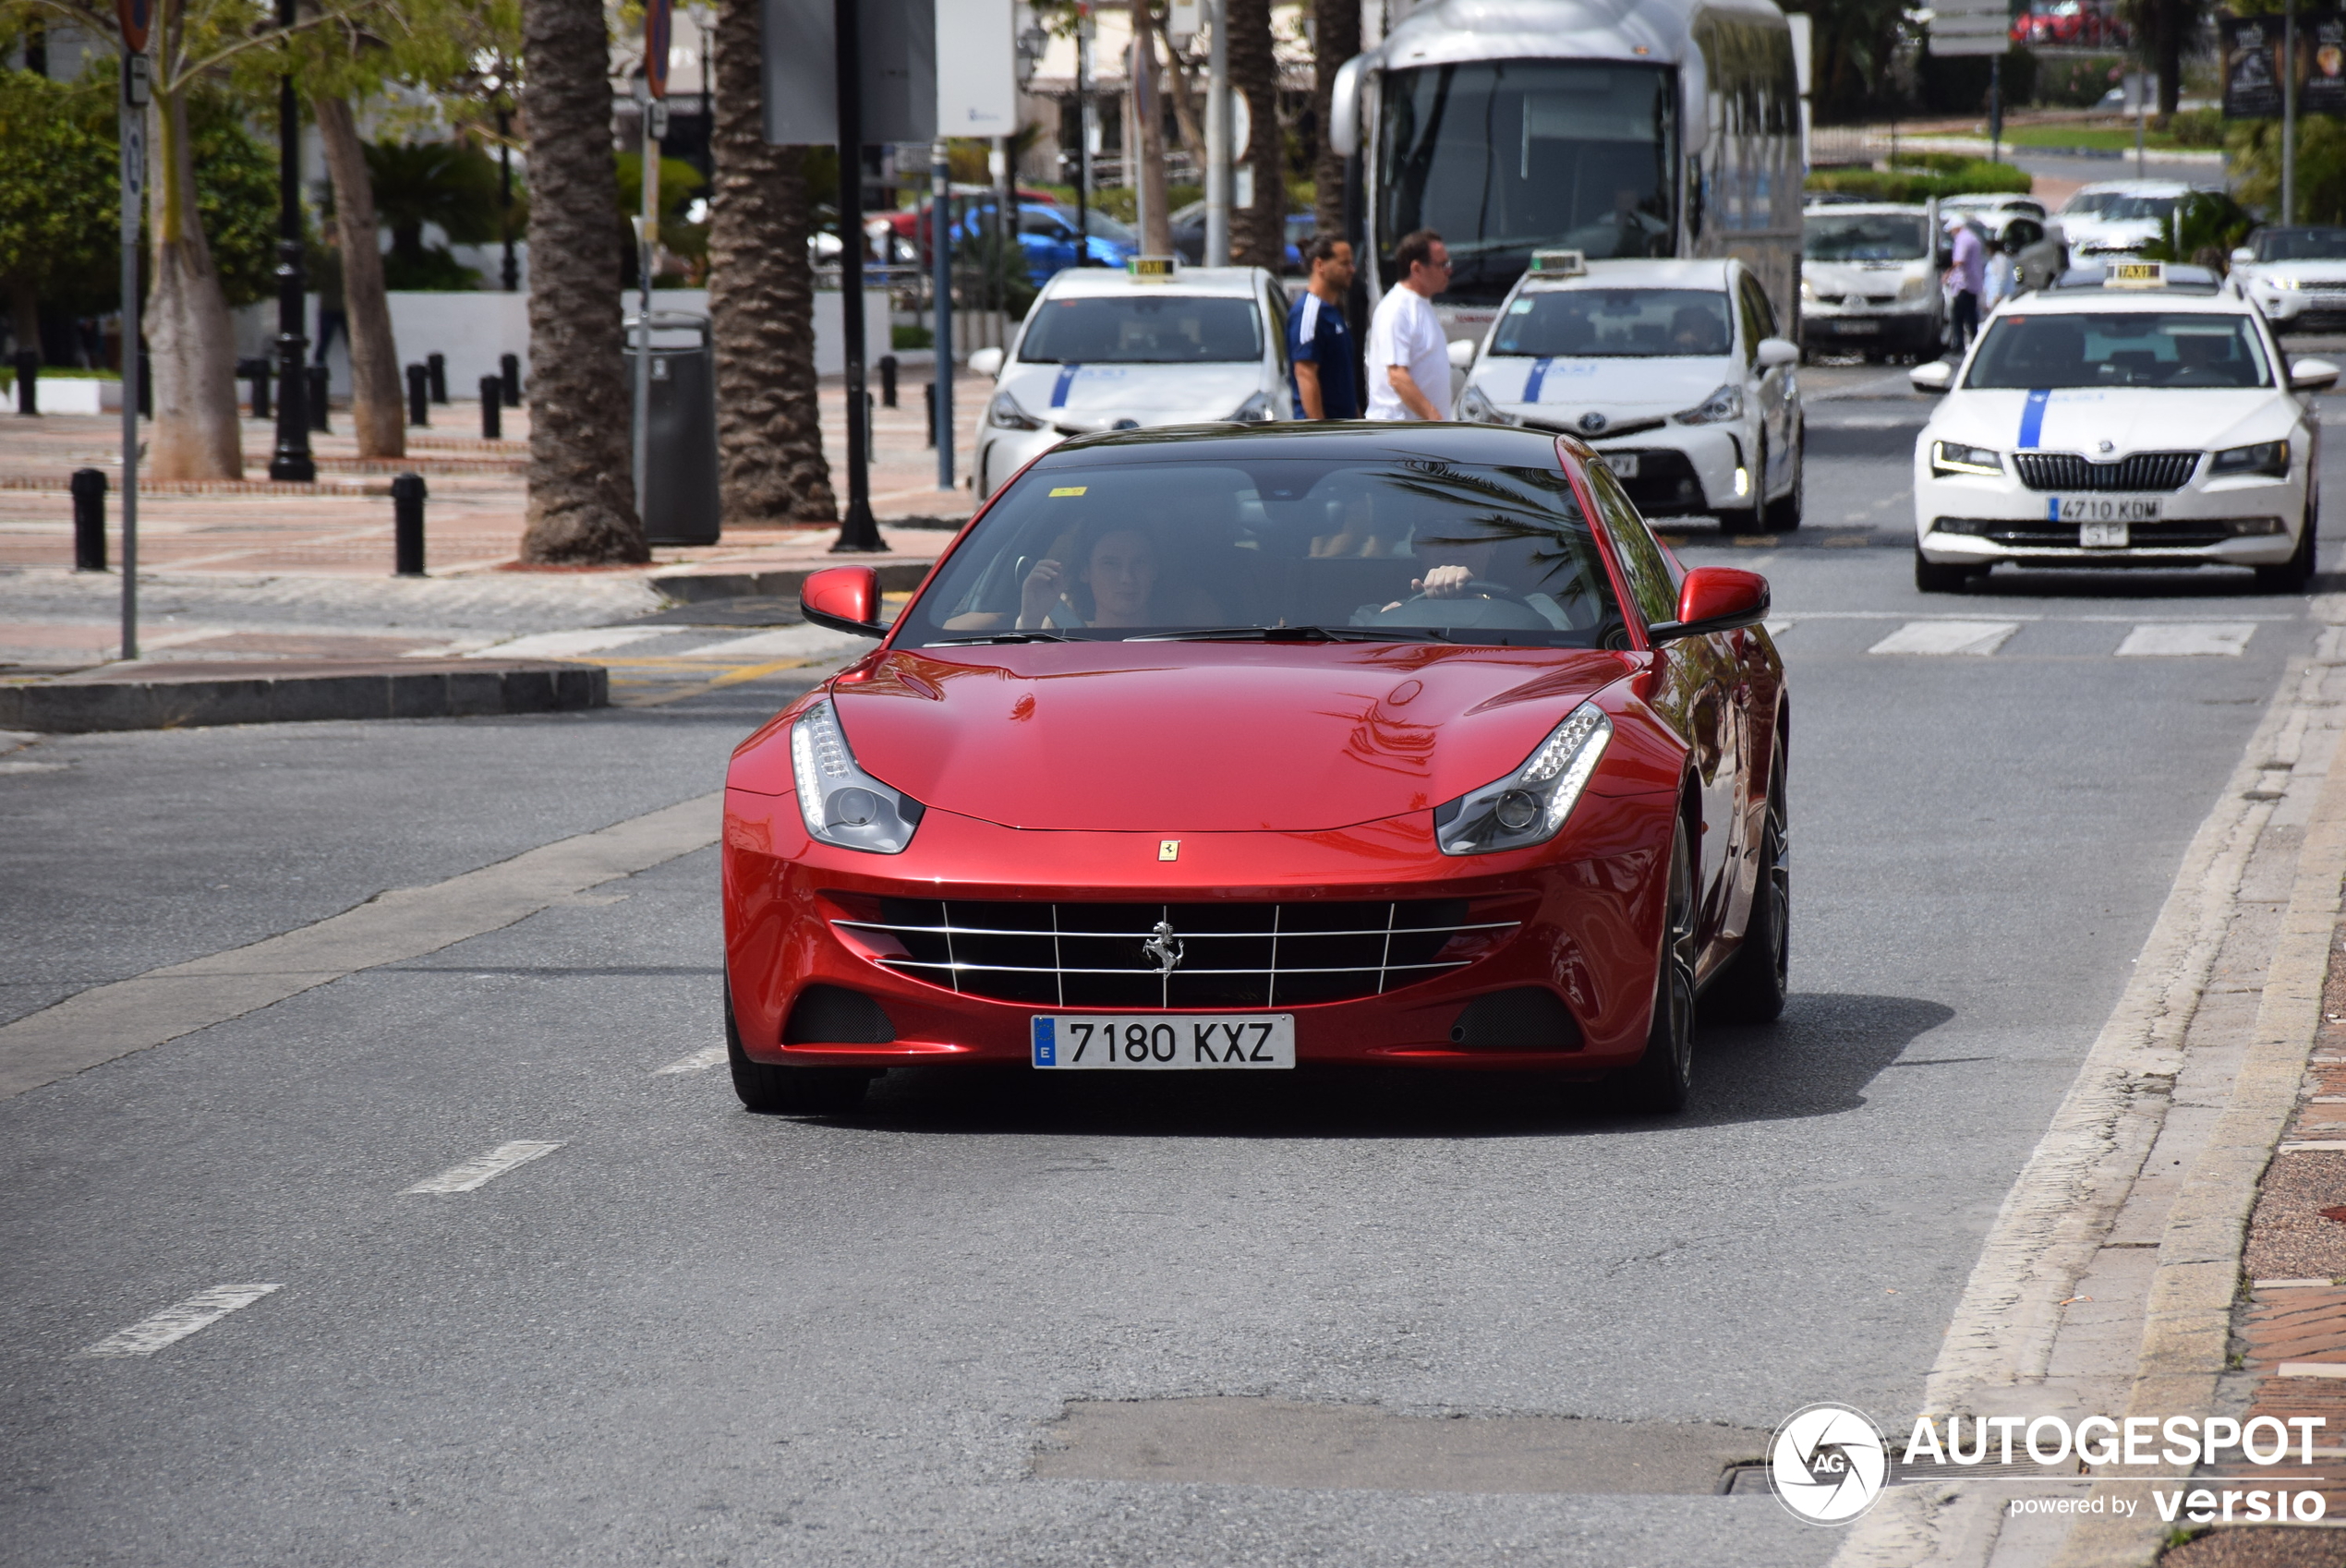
x=1069, y=491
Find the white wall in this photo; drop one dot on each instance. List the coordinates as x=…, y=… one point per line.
x=474, y=328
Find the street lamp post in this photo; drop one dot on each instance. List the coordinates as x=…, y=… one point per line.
x=291, y=461
x=511, y=272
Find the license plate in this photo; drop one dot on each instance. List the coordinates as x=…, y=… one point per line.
x=2103, y=536
x=2103, y=508
x=1164, y=1041
x=1855, y=328
x=1623, y=464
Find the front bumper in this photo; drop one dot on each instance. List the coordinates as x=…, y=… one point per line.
x=1824, y=330
x=1975, y=520
x=1585, y=913
x=1681, y=469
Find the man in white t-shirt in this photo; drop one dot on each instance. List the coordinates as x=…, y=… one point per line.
x=1409, y=357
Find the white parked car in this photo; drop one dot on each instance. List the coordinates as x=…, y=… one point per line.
x=1675, y=371
x=2297, y=275
x=1997, y=212
x=1870, y=281
x=2118, y=217
x=1103, y=350
x=2127, y=420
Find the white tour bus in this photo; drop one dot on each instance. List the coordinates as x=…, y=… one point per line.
x=1656, y=128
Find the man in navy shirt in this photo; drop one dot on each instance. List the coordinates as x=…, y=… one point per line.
x=1319, y=344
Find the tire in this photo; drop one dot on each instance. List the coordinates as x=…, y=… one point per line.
x=1934, y=579
x=1751, y=988
x=791, y=1092
x=1663, y=1077
x=2292, y=575
x=1782, y=515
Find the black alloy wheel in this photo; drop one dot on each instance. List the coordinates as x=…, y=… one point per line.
x=1751, y=989
x=1664, y=1075
x=790, y=1091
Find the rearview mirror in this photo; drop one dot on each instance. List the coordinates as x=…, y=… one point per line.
x=1931, y=376
x=985, y=362
x=2244, y=256
x=1461, y=352
x=2311, y=375
x=1714, y=599
x=1778, y=351
x=845, y=598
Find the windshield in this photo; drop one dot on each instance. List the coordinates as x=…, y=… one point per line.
x=2089, y=203
x=2302, y=245
x=2136, y=209
x=2135, y=348
x=1504, y=157
x=1588, y=324
x=1875, y=236
x=1403, y=550
x=1157, y=328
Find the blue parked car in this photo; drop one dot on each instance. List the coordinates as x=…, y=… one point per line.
x=1048, y=234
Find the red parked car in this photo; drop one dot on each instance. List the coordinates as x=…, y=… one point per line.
x=1230, y=748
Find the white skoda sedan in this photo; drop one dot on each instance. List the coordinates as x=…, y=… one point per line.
x=1157, y=343
x=1675, y=371
x=2129, y=422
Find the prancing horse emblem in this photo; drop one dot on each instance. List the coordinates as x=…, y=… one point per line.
x=1165, y=948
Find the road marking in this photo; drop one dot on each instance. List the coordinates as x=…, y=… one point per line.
x=482, y=1169
x=1978, y=637
x=106, y=1021
x=2186, y=638
x=569, y=644
x=2329, y=1146
x=2290, y=1284
x=1777, y=626
x=174, y=1323
x=699, y=1061
x=2311, y=1369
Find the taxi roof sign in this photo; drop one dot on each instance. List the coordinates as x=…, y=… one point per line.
x=1153, y=268
x=1559, y=263
x=2135, y=275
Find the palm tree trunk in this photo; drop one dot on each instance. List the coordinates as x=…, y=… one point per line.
x=193, y=343
x=375, y=409
x=1258, y=232
x=761, y=301
x=581, y=501
x=1158, y=238
x=1336, y=31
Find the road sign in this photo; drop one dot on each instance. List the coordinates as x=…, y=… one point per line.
x=1970, y=27
x=976, y=68
x=898, y=55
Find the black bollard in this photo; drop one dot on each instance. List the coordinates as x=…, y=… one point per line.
x=89, y=487
x=146, y=385
x=887, y=380
x=929, y=397
x=261, y=380
x=492, y=424
x=407, y=525
x=509, y=371
x=318, y=400
x=437, y=366
x=27, y=382
x=419, y=395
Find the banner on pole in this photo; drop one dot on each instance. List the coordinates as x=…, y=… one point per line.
x=1970, y=27
x=898, y=39
x=657, y=25
x=2253, y=64
x=976, y=68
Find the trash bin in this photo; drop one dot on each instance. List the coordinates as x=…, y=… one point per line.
x=680, y=498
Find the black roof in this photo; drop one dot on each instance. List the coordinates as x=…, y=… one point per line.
x=1362, y=439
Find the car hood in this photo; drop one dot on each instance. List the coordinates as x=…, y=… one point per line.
x=1171, y=738
x=1569, y=388
x=2130, y=418
x=1836, y=278
x=1093, y=397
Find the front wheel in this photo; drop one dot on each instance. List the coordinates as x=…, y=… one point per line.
x=1932, y=578
x=1751, y=989
x=2292, y=575
x=1782, y=514
x=1665, y=1076
x=790, y=1091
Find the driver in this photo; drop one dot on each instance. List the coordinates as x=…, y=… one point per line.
x=1122, y=574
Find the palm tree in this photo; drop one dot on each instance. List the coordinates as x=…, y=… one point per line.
x=1335, y=38
x=451, y=184
x=582, y=504
x=1258, y=234
x=377, y=415
x=761, y=301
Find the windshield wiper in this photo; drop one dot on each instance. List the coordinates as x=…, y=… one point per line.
x=1297, y=634
x=999, y=637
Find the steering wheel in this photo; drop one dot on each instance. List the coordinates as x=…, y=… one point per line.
x=1474, y=587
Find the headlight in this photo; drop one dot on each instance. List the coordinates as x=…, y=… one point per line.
x=1004, y=414
x=1917, y=287
x=2279, y=280
x=1529, y=805
x=1255, y=410
x=1808, y=292
x=843, y=804
x=1953, y=457
x=1477, y=409
x=1717, y=409
x=2264, y=457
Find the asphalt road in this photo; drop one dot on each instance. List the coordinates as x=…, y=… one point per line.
x=689, y=1334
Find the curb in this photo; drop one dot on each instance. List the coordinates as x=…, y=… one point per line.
x=168, y=696
x=696, y=586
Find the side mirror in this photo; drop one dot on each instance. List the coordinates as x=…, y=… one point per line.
x=2245, y=257
x=1344, y=106
x=2311, y=375
x=986, y=362
x=1715, y=599
x=1778, y=351
x=1461, y=352
x=1931, y=376
x=845, y=598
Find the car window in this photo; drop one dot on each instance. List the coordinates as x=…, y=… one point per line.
x=1763, y=313
x=1752, y=332
x=1642, y=562
x=1143, y=329
x=1273, y=301
x=1044, y=224
x=1605, y=324
x=1101, y=546
x=2302, y=245
x=2089, y=203
x=2135, y=348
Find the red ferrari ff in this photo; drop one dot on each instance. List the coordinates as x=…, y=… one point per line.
x=1231, y=749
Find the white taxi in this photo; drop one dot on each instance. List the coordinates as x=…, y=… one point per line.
x=2120, y=419
x=1155, y=343
x=1675, y=371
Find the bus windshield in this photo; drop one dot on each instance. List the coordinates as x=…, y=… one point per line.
x=1504, y=157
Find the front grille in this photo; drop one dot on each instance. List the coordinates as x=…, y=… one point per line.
x=1075, y=954
x=1665, y=485
x=2142, y=472
x=2177, y=534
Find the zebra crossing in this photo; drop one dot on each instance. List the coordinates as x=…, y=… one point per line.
x=1946, y=637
